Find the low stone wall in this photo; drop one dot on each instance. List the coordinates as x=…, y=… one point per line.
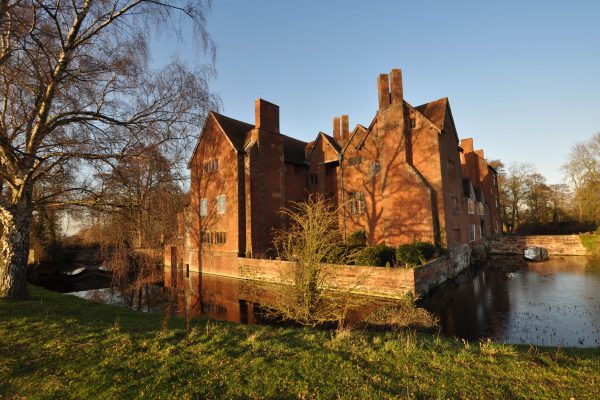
x=438, y=271
x=378, y=281
x=566, y=245
x=374, y=281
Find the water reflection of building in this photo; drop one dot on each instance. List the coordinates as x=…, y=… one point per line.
x=238, y=300
x=211, y=296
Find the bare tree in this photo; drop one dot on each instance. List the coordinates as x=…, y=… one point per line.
x=582, y=171
x=142, y=197
x=513, y=190
x=560, y=198
x=312, y=244
x=537, y=198
x=76, y=91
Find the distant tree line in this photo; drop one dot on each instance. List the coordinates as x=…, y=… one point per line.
x=530, y=205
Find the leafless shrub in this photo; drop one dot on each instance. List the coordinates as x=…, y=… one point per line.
x=401, y=314
x=312, y=245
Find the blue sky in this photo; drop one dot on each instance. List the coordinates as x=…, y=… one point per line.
x=522, y=77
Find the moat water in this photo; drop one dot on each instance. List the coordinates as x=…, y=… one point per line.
x=554, y=303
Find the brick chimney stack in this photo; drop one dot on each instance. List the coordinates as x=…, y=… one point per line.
x=266, y=115
x=345, y=128
x=396, y=86
x=389, y=88
x=336, y=129
x=383, y=90
x=467, y=145
x=341, y=128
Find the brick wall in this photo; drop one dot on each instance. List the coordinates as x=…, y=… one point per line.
x=374, y=281
x=438, y=271
x=567, y=245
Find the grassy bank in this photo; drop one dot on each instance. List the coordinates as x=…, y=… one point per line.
x=591, y=242
x=59, y=346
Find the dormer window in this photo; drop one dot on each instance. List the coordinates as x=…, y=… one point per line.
x=413, y=123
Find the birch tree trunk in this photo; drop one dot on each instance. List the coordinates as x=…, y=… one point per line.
x=14, y=249
x=77, y=93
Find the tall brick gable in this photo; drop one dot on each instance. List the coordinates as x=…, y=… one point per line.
x=405, y=177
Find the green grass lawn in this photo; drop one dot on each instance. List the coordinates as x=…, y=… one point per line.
x=60, y=347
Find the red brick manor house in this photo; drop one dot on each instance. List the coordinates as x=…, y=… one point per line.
x=404, y=177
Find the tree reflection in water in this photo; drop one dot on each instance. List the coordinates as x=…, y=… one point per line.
x=194, y=295
x=554, y=303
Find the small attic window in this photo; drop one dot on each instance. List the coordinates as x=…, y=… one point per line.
x=413, y=123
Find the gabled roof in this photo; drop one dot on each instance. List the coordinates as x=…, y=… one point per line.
x=234, y=130
x=359, y=128
x=333, y=142
x=310, y=147
x=409, y=106
x=435, y=111
x=237, y=131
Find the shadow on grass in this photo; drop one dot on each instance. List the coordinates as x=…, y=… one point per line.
x=61, y=346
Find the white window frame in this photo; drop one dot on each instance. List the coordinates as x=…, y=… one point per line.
x=472, y=232
x=221, y=204
x=203, y=207
x=471, y=206
x=357, y=203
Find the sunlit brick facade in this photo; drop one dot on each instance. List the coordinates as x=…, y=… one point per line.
x=405, y=177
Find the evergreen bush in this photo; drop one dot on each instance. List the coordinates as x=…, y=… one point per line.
x=357, y=239
x=414, y=254
x=379, y=256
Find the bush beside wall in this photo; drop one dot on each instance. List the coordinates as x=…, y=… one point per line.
x=590, y=242
x=414, y=254
x=380, y=255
